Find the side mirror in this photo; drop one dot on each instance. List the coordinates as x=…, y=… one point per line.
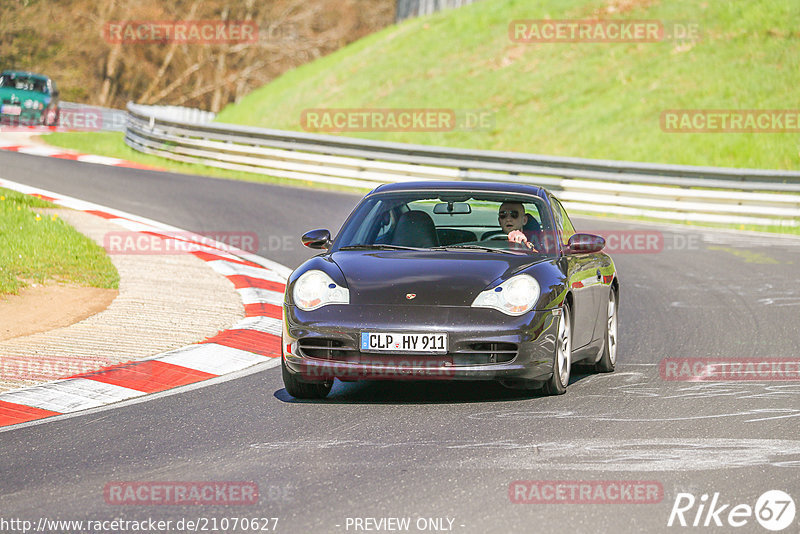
x=585, y=243
x=317, y=239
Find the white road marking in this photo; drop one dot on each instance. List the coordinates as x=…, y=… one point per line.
x=102, y=160
x=71, y=395
x=262, y=324
x=252, y=295
x=212, y=358
x=227, y=268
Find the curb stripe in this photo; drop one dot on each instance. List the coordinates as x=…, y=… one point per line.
x=102, y=214
x=12, y=413
x=148, y=376
x=70, y=395
x=227, y=268
x=208, y=256
x=252, y=295
x=263, y=343
x=253, y=340
x=241, y=281
x=212, y=358
x=262, y=324
x=55, y=152
x=262, y=309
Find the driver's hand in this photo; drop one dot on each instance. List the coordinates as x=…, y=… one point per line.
x=517, y=236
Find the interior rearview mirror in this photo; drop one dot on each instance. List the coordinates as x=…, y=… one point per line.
x=452, y=208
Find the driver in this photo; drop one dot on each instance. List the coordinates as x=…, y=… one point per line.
x=512, y=218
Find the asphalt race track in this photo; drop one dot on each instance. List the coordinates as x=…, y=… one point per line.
x=444, y=450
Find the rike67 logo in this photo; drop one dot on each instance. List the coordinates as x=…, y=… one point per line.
x=774, y=510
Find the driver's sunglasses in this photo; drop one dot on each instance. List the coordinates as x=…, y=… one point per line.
x=503, y=214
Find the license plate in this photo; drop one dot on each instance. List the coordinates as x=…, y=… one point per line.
x=9, y=109
x=403, y=342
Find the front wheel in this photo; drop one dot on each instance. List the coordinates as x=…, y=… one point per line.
x=51, y=117
x=562, y=362
x=304, y=390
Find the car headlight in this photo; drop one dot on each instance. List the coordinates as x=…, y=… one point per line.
x=515, y=296
x=315, y=289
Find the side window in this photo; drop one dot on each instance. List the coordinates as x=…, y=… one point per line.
x=563, y=222
x=533, y=212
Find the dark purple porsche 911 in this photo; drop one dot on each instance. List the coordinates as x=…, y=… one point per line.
x=451, y=281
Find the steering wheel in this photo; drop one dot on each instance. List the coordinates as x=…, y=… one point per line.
x=492, y=234
x=503, y=237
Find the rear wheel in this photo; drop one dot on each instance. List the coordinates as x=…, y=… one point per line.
x=609, y=358
x=562, y=362
x=304, y=390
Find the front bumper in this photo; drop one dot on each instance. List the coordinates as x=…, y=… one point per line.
x=27, y=117
x=483, y=344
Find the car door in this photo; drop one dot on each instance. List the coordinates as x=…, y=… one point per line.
x=581, y=271
x=598, y=271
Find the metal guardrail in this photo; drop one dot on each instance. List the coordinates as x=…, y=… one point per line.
x=416, y=8
x=669, y=192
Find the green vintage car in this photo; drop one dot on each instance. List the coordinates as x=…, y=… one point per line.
x=27, y=98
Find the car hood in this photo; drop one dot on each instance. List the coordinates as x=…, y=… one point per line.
x=443, y=278
x=18, y=96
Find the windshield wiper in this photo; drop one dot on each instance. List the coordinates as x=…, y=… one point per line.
x=379, y=246
x=477, y=247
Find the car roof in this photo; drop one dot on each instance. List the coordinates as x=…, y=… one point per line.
x=490, y=187
x=24, y=73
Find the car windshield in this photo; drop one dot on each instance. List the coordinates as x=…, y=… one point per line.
x=23, y=83
x=452, y=220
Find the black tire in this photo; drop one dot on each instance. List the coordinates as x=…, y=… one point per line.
x=53, y=117
x=304, y=390
x=562, y=359
x=608, y=360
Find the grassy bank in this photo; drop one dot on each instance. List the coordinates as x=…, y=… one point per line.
x=38, y=247
x=595, y=100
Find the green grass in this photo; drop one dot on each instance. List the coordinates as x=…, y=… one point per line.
x=38, y=247
x=112, y=144
x=595, y=100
